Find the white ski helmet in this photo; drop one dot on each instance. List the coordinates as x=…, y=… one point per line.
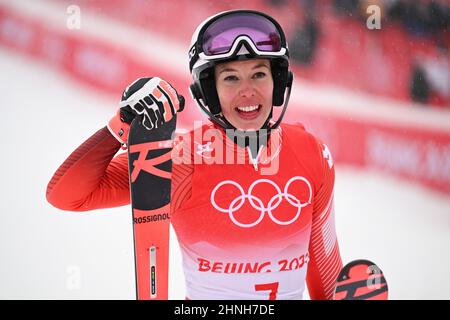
x=237, y=35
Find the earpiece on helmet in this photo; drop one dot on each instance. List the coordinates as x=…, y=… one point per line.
x=280, y=75
x=195, y=91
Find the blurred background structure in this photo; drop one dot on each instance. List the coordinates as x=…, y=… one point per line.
x=378, y=96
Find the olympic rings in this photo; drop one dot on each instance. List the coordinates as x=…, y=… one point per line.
x=258, y=204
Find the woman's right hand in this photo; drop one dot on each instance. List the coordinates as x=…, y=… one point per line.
x=153, y=98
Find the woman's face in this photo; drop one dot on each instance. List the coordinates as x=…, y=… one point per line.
x=245, y=92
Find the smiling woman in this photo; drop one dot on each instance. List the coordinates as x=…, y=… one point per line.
x=245, y=232
x=245, y=92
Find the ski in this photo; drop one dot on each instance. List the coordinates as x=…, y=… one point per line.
x=150, y=170
x=361, y=280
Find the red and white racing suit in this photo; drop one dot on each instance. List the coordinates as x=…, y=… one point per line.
x=248, y=229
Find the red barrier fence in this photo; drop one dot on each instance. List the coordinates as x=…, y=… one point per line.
x=413, y=153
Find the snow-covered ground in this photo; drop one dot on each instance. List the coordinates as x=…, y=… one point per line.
x=50, y=254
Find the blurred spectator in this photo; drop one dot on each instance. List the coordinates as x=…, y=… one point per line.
x=440, y=16
x=420, y=90
x=420, y=18
x=303, y=44
x=430, y=82
x=347, y=7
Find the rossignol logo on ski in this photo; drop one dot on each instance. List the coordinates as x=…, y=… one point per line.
x=151, y=218
x=149, y=165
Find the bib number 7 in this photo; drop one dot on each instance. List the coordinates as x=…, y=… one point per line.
x=272, y=287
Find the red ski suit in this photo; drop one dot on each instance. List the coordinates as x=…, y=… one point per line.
x=250, y=229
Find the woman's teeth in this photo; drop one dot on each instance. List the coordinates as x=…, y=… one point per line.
x=248, y=108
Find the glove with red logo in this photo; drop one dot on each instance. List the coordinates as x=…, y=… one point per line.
x=153, y=98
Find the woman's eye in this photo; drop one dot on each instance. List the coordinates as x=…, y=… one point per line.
x=259, y=75
x=231, y=78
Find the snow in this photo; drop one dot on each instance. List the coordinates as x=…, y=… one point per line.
x=50, y=254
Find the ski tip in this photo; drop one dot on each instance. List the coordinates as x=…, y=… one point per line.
x=361, y=280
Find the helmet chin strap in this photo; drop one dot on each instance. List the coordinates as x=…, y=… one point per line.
x=251, y=138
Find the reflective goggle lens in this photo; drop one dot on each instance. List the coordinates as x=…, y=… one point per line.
x=219, y=36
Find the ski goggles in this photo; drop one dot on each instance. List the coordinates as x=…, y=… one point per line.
x=222, y=36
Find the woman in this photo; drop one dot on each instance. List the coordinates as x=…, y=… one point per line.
x=249, y=229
